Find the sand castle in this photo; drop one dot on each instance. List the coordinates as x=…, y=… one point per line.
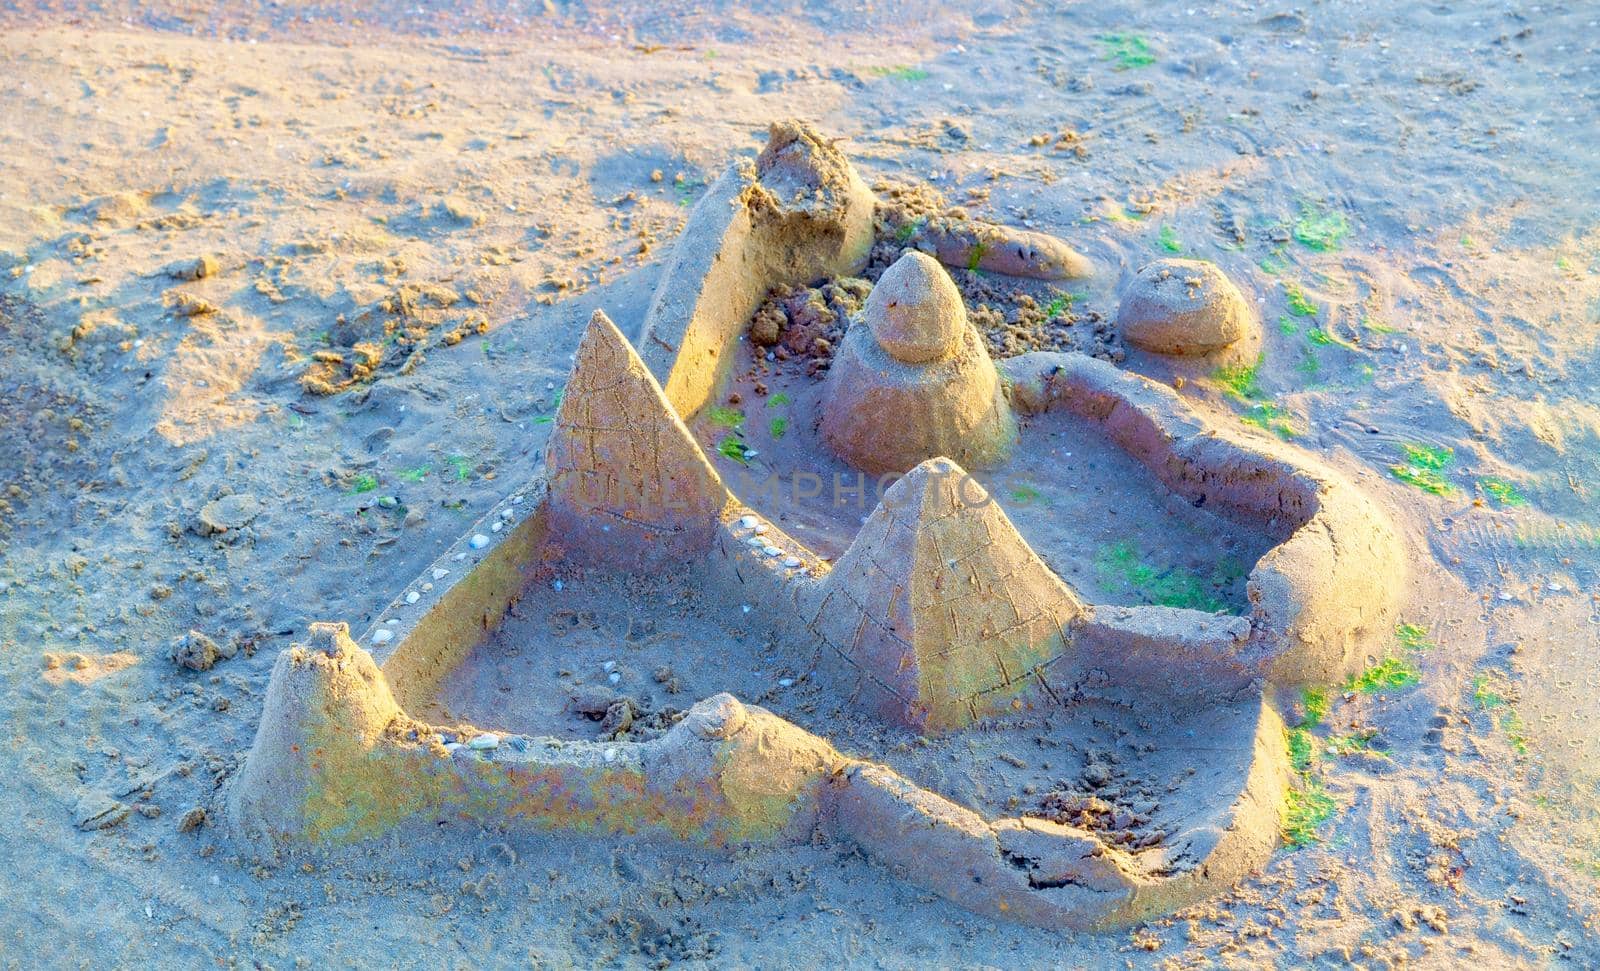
x=1147, y=737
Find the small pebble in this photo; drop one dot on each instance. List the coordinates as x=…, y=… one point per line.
x=785, y=682
x=772, y=551
x=485, y=741
x=382, y=635
x=516, y=500
x=756, y=541
x=793, y=561
x=478, y=541
x=451, y=747
x=611, y=755
x=426, y=587
x=439, y=572
x=748, y=521
x=413, y=597
x=499, y=525
x=609, y=666
x=761, y=528
x=459, y=557
x=556, y=586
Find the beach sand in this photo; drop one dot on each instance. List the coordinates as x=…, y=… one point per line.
x=264, y=267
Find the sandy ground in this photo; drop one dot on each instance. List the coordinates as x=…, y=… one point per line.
x=424, y=205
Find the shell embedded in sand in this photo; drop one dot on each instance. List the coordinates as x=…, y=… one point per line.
x=915, y=311
x=914, y=381
x=1184, y=307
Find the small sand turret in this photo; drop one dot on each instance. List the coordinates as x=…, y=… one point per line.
x=912, y=379
x=1185, y=308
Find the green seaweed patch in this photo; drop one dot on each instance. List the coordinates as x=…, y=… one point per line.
x=1060, y=304
x=462, y=465
x=725, y=417
x=365, y=482
x=1315, y=703
x=1169, y=240
x=1128, y=51
x=1321, y=229
x=1309, y=365
x=1120, y=562
x=1273, y=264
x=417, y=474
x=1299, y=305
x=1272, y=417
x=779, y=400
x=975, y=258
x=777, y=427
x=908, y=230
x=1503, y=492
x=900, y=72
x=1424, y=468
x=1287, y=327
x=555, y=405
x=1357, y=742
x=1302, y=749
x=1306, y=808
x=1390, y=674
x=1241, y=381
x=1024, y=494
x=1501, y=713
x=731, y=447
x=1413, y=637
x=1322, y=338
x=685, y=189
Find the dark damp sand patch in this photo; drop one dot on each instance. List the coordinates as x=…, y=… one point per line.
x=1137, y=776
x=1097, y=516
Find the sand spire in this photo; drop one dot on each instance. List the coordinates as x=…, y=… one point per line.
x=628, y=483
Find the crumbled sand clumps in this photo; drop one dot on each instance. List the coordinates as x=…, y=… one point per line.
x=1184, y=307
x=915, y=382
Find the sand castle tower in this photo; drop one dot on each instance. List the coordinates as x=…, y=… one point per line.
x=940, y=606
x=628, y=485
x=1186, y=308
x=912, y=380
x=327, y=705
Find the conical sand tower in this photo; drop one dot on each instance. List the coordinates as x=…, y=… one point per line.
x=628, y=484
x=327, y=706
x=939, y=607
x=912, y=380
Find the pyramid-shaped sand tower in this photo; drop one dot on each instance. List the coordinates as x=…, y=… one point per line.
x=627, y=482
x=939, y=607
